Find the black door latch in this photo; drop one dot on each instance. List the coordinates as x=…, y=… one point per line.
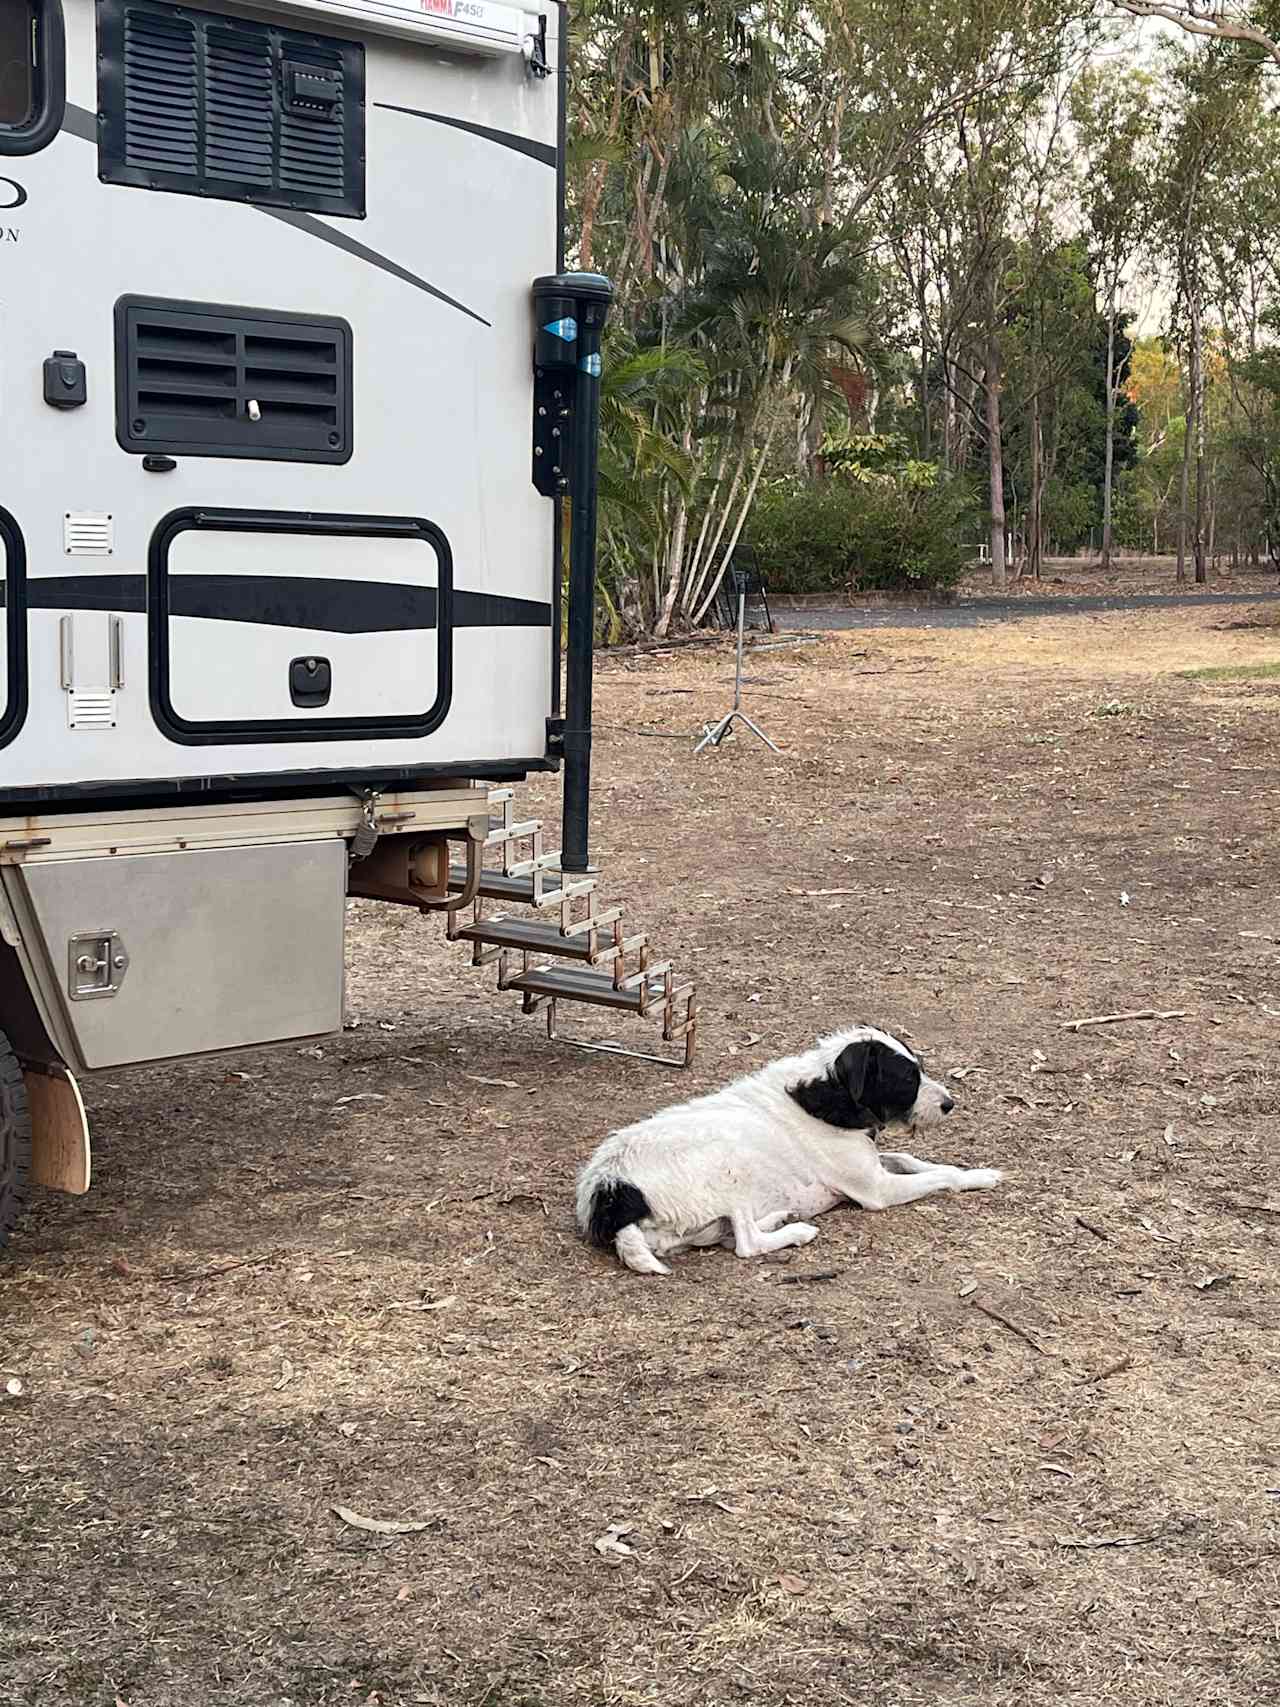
x=66, y=385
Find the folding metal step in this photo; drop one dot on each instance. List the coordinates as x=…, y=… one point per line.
x=538, y=862
x=593, y=943
x=563, y=890
x=598, y=922
x=529, y=936
x=500, y=832
x=574, y=984
x=496, y=886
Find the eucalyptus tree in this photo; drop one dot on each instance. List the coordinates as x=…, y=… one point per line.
x=957, y=206
x=1050, y=326
x=1242, y=260
x=1252, y=26
x=1215, y=87
x=1115, y=114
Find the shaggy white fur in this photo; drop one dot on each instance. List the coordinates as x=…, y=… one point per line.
x=794, y=1139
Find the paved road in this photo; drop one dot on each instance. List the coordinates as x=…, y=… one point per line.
x=973, y=613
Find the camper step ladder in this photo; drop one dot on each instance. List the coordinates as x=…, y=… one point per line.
x=583, y=955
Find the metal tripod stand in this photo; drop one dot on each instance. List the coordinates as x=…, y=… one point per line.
x=714, y=733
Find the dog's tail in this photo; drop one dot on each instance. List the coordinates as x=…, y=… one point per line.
x=607, y=1215
x=633, y=1251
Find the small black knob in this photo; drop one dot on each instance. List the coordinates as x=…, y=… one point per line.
x=159, y=464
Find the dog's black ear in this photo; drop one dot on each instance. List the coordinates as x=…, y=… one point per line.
x=842, y=1095
x=897, y=1083
x=853, y=1067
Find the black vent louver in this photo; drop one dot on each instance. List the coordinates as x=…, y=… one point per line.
x=311, y=147
x=216, y=106
x=160, y=129
x=202, y=380
x=239, y=119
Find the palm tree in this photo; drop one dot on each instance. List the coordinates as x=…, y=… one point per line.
x=642, y=392
x=772, y=298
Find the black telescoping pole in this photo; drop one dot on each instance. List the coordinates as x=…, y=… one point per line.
x=590, y=295
x=582, y=587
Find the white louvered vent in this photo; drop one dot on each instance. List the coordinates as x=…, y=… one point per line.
x=88, y=533
x=91, y=710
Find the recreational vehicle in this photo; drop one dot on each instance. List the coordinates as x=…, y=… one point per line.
x=294, y=390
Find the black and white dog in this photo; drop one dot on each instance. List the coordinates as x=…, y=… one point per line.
x=796, y=1138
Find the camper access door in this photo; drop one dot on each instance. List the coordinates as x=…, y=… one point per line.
x=266, y=393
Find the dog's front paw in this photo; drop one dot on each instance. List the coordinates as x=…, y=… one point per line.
x=803, y=1232
x=980, y=1179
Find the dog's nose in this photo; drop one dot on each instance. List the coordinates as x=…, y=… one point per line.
x=948, y=1103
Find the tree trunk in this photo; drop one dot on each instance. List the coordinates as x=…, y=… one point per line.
x=736, y=535
x=675, y=563
x=995, y=455
x=804, y=420
x=596, y=179
x=1035, y=520
x=948, y=413
x=813, y=436
x=694, y=583
x=1184, y=488
x=784, y=380
x=1197, y=392
x=698, y=413
x=1110, y=448
x=926, y=424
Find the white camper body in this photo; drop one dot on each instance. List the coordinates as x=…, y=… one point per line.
x=345, y=399
x=275, y=571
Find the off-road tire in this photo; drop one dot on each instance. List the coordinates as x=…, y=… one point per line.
x=15, y=1141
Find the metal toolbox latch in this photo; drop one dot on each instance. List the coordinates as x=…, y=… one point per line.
x=97, y=963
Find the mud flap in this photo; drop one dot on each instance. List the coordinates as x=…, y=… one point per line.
x=60, y=1159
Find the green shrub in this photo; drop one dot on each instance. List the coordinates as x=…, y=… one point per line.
x=851, y=536
x=1070, y=512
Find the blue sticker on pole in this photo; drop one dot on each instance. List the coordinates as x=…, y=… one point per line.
x=591, y=365
x=564, y=329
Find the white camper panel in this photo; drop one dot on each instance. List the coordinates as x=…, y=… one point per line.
x=224, y=670
x=178, y=568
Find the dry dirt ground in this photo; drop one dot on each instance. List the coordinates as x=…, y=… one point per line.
x=1129, y=574
x=1021, y=1448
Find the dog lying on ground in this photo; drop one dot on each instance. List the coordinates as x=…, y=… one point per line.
x=794, y=1139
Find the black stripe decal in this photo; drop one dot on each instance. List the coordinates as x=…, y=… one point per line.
x=289, y=601
x=88, y=592
x=279, y=601
x=542, y=151
x=498, y=610
x=79, y=121
x=82, y=123
x=314, y=227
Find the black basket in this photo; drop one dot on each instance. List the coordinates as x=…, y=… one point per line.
x=743, y=576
